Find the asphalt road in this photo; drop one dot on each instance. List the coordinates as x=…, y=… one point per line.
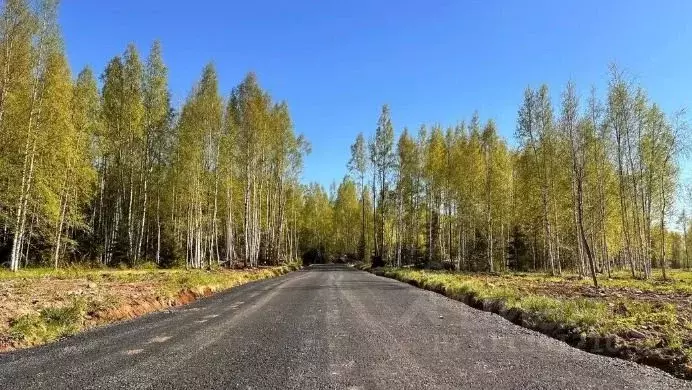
x=326, y=327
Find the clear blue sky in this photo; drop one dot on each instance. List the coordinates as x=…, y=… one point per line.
x=337, y=62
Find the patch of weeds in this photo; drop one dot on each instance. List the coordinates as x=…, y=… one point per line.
x=49, y=324
x=507, y=295
x=688, y=354
x=103, y=304
x=23, y=286
x=26, y=328
x=147, y=265
x=581, y=313
x=643, y=315
x=674, y=340
x=294, y=265
x=197, y=280
x=650, y=342
x=678, y=281
x=93, y=277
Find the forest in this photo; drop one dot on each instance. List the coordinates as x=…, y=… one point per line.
x=105, y=171
x=101, y=169
x=593, y=187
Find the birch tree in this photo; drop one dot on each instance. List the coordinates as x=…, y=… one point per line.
x=358, y=165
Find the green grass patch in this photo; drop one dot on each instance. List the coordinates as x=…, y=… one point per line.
x=49, y=324
x=678, y=281
x=582, y=313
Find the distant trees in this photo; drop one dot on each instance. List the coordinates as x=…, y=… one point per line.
x=382, y=160
x=577, y=133
x=347, y=215
x=407, y=191
x=536, y=133
x=590, y=188
x=358, y=165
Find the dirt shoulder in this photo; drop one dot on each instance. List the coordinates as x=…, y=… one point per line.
x=41, y=305
x=649, y=322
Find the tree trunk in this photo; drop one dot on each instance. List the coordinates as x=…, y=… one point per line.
x=663, y=228
x=58, y=233
x=684, y=235
x=143, y=220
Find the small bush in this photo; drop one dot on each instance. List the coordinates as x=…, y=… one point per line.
x=49, y=324
x=147, y=265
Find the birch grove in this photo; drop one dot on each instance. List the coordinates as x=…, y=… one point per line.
x=588, y=189
x=101, y=168
x=108, y=172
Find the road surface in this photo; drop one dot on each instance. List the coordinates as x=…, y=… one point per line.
x=325, y=327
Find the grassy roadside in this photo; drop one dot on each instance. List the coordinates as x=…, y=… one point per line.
x=41, y=305
x=649, y=322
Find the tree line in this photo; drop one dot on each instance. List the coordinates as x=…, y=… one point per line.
x=107, y=171
x=591, y=186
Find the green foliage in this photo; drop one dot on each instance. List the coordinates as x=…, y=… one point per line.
x=664, y=317
x=49, y=324
x=346, y=219
x=117, y=177
x=148, y=265
x=582, y=313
